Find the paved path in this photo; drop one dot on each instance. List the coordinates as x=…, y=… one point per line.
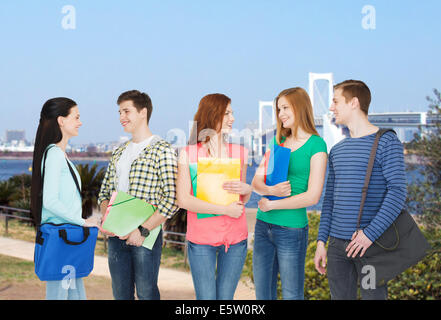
x=170, y=280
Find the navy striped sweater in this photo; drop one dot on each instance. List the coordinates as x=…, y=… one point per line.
x=386, y=194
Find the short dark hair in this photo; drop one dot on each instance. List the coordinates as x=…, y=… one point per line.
x=357, y=89
x=140, y=100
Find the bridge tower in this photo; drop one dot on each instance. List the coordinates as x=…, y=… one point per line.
x=331, y=133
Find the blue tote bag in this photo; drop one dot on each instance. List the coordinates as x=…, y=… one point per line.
x=64, y=250
x=276, y=166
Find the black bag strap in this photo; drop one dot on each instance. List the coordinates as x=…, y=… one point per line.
x=370, y=166
x=44, y=167
x=63, y=235
x=70, y=169
x=39, y=237
x=74, y=176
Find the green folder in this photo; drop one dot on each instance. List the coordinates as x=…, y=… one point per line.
x=126, y=213
x=194, y=183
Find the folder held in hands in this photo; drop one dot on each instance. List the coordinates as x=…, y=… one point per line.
x=276, y=167
x=208, y=176
x=125, y=213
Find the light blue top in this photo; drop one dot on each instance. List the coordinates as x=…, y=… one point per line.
x=61, y=199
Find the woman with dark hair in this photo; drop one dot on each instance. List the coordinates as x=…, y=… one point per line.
x=281, y=231
x=55, y=197
x=217, y=246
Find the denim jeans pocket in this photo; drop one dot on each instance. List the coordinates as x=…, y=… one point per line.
x=200, y=249
x=238, y=249
x=331, y=241
x=291, y=236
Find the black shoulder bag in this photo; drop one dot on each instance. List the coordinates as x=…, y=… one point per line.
x=401, y=246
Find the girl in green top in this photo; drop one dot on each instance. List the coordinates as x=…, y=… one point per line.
x=281, y=232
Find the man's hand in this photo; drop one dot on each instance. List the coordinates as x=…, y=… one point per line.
x=359, y=242
x=320, y=258
x=134, y=238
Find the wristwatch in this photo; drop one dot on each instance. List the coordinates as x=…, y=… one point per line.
x=144, y=232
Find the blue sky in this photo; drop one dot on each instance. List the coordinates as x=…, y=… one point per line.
x=179, y=51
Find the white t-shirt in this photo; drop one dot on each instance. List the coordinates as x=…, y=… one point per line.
x=130, y=154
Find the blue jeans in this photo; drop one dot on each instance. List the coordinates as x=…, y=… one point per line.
x=216, y=281
x=72, y=289
x=344, y=274
x=132, y=267
x=279, y=249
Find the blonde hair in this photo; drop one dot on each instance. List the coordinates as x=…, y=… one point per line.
x=301, y=106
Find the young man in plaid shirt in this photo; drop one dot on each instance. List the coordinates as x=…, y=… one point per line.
x=144, y=167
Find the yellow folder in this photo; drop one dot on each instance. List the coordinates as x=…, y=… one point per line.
x=212, y=173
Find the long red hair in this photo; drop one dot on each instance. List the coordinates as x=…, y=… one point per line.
x=208, y=119
x=301, y=106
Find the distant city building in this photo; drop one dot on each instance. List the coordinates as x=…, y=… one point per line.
x=15, y=135
x=405, y=124
x=91, y=148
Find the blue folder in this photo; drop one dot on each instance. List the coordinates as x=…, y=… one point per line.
x=277, y=167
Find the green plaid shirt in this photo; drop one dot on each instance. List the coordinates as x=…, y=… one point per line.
x=152, y=177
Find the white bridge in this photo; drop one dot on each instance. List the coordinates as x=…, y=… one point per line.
x=405, y=124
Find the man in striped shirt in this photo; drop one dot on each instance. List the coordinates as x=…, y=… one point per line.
x=386, y=194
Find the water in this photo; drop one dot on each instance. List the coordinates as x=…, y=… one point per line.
x=9, y=168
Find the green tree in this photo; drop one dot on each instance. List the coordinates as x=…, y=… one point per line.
x=21, y=191
x=424, y=196
x=6, y=191
x=91, y=180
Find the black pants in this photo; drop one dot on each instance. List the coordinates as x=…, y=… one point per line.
x=345, y=273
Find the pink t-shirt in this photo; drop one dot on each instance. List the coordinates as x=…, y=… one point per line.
x=219, y=230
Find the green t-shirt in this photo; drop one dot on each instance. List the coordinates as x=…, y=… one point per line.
x=298, y=176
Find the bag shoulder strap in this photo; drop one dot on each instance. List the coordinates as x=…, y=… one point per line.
x=70, y=169
x=74, y=176
x=44, y=167
x=370, y=166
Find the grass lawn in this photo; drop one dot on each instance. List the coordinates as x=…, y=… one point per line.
x=18, y=281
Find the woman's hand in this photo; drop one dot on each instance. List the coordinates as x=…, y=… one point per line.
x=265, y=204
x=235, y=209
x=93, y=221
x=282, y=189
x=237, y=187
x=107, y=233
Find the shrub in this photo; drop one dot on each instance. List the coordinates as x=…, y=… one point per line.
x=421, y=282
